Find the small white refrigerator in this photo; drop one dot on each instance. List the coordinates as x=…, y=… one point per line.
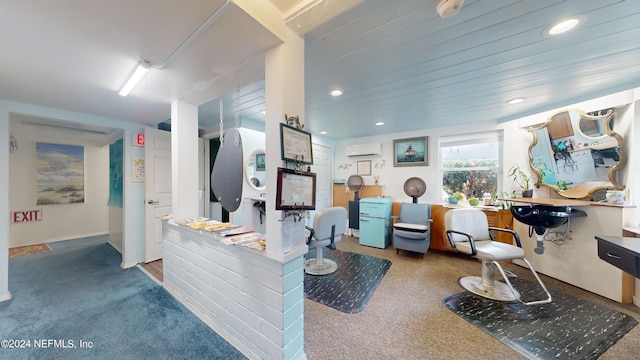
x=374, y=222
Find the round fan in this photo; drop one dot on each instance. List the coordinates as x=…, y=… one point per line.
x=355, y=183
x=415, y=187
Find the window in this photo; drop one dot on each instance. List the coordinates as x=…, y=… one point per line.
x=471, y=164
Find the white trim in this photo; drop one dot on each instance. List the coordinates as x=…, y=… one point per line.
x=5, y=297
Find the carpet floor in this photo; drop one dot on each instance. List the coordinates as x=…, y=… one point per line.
x=405, y=317
x=567, y=328
x=75, y=302
x=350, y=287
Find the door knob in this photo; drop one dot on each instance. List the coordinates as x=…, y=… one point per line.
x=153, y=202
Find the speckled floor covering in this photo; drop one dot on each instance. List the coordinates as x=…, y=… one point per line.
x=349, y=288
x=405, y=318
x=566, y=328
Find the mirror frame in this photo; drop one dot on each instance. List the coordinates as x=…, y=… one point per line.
x=587, y=188
x=246, y=173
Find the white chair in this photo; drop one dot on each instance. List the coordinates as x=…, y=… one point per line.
x=328, y=226
x=469, y=233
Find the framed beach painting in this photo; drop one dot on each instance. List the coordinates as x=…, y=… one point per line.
x=411, y=152
x=59, y=174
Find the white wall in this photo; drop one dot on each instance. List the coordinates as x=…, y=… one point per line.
x=393, y=178
x=133, y=222
x=516, y=143
x=59, y=221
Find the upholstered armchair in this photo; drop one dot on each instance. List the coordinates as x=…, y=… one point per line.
x=413, y=230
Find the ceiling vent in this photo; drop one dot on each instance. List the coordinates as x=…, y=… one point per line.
x=368, y=149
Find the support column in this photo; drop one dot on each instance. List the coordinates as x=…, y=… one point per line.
x=4, y=206
x=284, y=93
x=184, y=160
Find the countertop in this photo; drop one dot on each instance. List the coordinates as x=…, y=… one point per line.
x=562, y=202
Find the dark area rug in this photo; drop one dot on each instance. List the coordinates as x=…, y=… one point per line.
x=351, y=286
x=567, y=328
x=75, y=302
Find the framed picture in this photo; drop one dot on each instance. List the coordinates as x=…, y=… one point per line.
x=411, y=152
x=296, y=190
x=364, y=167
x=59, y=174
x=295, y=144
x=260, y=164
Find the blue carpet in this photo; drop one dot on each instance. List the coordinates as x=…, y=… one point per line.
x=75, y=302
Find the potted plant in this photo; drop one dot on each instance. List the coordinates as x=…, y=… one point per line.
x=473, y=201
x=522, y=179
x=455, y=198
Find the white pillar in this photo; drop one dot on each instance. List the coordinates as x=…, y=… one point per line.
x=284, y=94
x=184, y=160
x=4, y=205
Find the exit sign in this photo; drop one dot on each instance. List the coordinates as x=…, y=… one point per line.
x=138, y=139
x=26, y=216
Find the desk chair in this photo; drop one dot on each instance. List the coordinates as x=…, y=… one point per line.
x=328, y=226
x=469, y=233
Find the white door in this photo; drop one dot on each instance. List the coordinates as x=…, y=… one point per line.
x=157, y=186
x=322, y=166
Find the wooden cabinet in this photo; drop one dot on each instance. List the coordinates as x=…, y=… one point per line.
x=560, y=127
x=496, y=218
x=342, y=195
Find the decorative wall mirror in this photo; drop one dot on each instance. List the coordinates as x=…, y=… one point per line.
x=254, y=170
x=576, y=154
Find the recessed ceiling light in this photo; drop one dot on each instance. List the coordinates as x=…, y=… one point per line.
x=323, y=132
x=564, y=25
x=336, y=92
x=264, y=112
x=379, y=123
x=515, y=101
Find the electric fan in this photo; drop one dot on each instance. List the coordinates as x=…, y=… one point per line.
x=415, y=187
x=355, y=183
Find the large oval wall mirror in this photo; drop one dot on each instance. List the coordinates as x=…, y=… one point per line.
x=577, y=154
x=254, y=170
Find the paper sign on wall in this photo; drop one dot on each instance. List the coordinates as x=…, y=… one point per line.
x=26, y=216
x=138, y=170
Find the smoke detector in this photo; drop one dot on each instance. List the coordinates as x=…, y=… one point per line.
x=449, y=8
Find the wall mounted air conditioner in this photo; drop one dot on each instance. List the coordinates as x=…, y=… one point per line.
x=368, y=149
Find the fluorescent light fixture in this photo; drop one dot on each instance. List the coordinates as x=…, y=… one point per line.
x=142, y=69
x=515, y=101
x=379, y=123
x=336, y=92
x=564, y=25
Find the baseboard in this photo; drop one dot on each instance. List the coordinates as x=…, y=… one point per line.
x=636, y=301
x=114, y=245
x=148, y=274
x=5, y=297
x=128, y=265
x=215, y=327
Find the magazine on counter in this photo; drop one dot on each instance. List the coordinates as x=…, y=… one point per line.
x=234, y=231
x=242, y=239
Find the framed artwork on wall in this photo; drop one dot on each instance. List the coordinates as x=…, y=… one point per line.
x=364, y=167
x=411, y=152
x=295, y=145
x=59, y=174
